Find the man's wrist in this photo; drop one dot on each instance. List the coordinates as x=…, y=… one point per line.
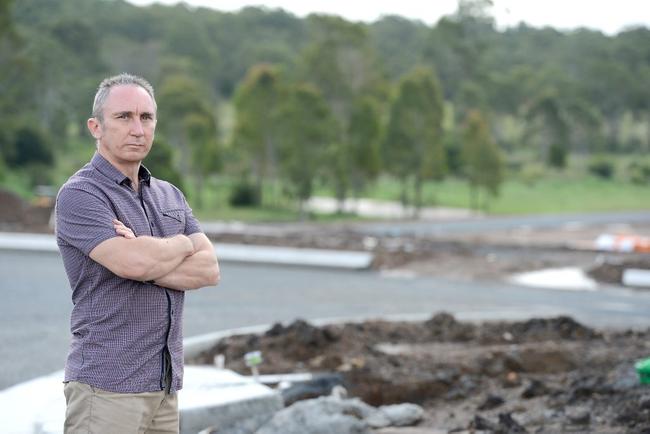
x=187, y=245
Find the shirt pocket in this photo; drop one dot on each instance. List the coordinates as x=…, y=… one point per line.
x=173, y=221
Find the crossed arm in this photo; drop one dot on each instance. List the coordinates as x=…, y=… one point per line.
x=180, y=262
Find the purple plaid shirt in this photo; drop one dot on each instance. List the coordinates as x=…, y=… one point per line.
x=123, y=331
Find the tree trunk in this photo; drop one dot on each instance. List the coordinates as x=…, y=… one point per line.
x=404, y=195
x=473, y=197
x=418, y=197
x=199, y=181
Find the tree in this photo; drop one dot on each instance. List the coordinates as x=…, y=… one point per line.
x=364, y=151
x=413, y=144
x=482, y=158
x=30, y=147
x=549, y=123
x=342, y=63
x=256, y=102
x=206, y=159
x=355, y=162
x=188, y=122
x=160, y=161
x=459, y=46
x=305, y=129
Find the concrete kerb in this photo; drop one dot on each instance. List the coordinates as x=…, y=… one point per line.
x=343, y=259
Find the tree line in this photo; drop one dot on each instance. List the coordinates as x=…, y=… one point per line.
x=271, y=99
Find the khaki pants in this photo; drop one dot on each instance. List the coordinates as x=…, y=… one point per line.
x=94, y=411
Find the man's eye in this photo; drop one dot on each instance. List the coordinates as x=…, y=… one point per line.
x=122, y=116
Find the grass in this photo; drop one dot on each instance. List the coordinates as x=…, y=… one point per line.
x=547, y=191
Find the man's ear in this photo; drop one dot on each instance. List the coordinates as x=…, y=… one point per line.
x=95, y=127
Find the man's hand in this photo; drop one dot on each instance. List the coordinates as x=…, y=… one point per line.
x=122, y=230
x=196, y=271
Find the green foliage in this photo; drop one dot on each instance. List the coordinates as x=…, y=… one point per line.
x=482, y=157
x=548, y=121
x=399, y=43
x=30, y=146
x=530, y=174
x=363, y=137
x=187, y=120
x=553, y=96
x=244, y=194
x=602, y=167
x=557, y=155
x=255, y=134
x=341, y=63
x=305, y=124
x=639, y=172
x=160, y=162
x=3, y=169
x=413, y=143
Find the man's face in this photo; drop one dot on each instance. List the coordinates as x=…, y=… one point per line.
x=126, y=133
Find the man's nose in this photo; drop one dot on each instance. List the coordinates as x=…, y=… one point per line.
x=137, y=129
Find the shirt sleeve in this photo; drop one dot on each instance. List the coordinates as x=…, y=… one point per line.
x=192, y=225
x=83, y=219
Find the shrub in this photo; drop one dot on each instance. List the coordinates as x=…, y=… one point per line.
x=244, y=194
x=601, y=167
x=531, y=173
x=639, y=172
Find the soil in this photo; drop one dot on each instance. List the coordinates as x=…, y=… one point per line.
x=538, y=376
x=16, y=215
x=490, y=256
x=541, y=375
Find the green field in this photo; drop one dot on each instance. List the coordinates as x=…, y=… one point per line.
x=558, y=194
x=546, y=191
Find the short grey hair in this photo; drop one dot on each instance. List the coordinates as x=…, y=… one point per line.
x=122, y=79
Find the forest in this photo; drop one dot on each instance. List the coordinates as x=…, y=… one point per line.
x=262, y=110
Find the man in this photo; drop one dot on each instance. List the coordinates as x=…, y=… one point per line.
x=131, y=247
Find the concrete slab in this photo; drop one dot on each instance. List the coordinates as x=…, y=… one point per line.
x=344, y=259
x=222, y=399
x=210, y=398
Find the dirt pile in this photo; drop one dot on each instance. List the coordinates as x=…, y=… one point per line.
x=542, y=375
x=611, y=270
x=18, y=215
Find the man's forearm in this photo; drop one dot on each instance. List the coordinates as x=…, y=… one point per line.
x=149, y=258
x=196, y=271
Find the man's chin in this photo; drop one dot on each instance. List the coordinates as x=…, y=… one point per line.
x=136, y=153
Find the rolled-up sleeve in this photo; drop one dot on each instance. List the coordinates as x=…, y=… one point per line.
x=83, y=219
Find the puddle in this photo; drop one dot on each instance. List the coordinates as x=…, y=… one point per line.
x=569, y=278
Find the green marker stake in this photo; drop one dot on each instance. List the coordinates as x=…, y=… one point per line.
x=253, y=360
x=643, y=369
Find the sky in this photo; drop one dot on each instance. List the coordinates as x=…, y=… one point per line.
x=607, y=16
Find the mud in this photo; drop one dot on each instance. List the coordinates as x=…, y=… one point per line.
x=541, y=375
x=494, y=256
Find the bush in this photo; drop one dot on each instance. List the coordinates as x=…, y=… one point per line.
x=557, y=156
x=601, y=167
x=531, y=173
x=30, y=146
x=639, y=172
x=244, y=194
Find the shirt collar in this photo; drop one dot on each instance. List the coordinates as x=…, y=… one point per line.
x=110, y=171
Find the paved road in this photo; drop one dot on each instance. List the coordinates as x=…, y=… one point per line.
x=35, y=304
